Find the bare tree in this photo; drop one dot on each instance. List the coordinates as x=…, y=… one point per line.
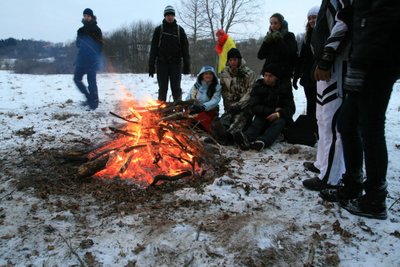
x=191, y=14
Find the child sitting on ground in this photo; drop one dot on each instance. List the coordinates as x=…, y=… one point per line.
x=272, y=106
x=207, y=94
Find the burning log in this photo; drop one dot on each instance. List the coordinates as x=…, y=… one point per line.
x=92, y=167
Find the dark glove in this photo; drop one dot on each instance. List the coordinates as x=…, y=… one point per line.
x=295, y=79
x=186, y=69
x=152, y=70
x=354, y=79
x=327, y=59
x=234, y=110
x=276, y=36
x=196, y=108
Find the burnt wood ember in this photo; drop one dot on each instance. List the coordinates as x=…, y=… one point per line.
x=92, y=167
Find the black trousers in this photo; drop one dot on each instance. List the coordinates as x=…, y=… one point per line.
x=362, y=128
x=169, y=73
x=311, y=96
x=264, y=130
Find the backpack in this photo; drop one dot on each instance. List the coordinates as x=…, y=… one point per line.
x=303, y=131
x=162, y=32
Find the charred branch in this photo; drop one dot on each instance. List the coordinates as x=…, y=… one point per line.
x=122, y=118
x=163, y=177
x=92, y=167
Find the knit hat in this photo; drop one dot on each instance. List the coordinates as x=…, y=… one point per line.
x=220, y=32
x=273, y=69
x=88, y=11
x=234, y=53
x=169, y=10
x=279, y=17
x=313, y=11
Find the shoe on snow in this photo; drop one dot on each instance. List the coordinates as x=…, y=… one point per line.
x=316, y=184
x=311, y=167
x=366, y=208
x=257, y=145
x=241, y=140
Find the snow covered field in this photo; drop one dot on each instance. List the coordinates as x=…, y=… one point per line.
x=256, y=214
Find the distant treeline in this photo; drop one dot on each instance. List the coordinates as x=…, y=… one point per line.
x=126, y=50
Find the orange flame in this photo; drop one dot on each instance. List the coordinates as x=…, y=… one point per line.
x=149, y=146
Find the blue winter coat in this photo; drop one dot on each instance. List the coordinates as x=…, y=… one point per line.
x=200, y=90
x=89, y=42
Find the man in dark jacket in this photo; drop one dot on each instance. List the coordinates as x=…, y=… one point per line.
x=90, y=43
x=272, y=106
x=168, y=46
x=374, y=68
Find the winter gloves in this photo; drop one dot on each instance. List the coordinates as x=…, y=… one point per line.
x=327, y=59
x=196, y=108
x=152, y=70
x=273, y=37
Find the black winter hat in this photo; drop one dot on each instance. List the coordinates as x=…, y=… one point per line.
x=88, y=11
x=273, y=69
x=234, y=53
x=169, y=10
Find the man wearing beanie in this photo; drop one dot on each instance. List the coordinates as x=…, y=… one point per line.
x=89, y=42
x=168, y=47
x=272, y=107
x=236, y=80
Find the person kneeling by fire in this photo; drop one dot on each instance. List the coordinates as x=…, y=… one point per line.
x=273, y=108
x=207, y=93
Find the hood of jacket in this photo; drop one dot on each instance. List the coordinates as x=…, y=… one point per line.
x=206, y=69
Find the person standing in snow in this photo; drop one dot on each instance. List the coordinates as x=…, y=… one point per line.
x=305, y=63
x=90, y=43
x=224, y=44
x=374, y=67
x=169, y=46
x=330, y=46
x=280, y=47
x=272, y=107
x=207, y=94
x=237, y=80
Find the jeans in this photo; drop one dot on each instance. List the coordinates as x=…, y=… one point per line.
x=91, y=91
x=362, y=127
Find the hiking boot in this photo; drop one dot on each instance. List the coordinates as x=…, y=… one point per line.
x=316, y=184
x=241, y=140
x=311, y=167
x=351, y=188
x=367, y=207
x=341, y=194
x=257, y=145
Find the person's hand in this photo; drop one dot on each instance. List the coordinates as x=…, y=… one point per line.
x=295, y=86
x=273, y=116
x=186, y=69
x=276, y=36
x=152, y=70
x=322, y=75
x=196, y=108
x=235, y=109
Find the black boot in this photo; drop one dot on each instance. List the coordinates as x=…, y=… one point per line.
x=369, y=205
x=241, y=140
x=351, y=189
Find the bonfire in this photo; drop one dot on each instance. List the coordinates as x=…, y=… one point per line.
x=157, y=142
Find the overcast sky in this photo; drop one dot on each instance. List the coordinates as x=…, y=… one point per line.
x=58, y=20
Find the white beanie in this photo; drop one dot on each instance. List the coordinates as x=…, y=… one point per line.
x=313, y=11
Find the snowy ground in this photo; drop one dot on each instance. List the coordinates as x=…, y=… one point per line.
x=256, y=214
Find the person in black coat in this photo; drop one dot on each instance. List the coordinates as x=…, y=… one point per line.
x=90, y=43
x=305, y=63
x=168, y=47
x=272, y=107
x=280, y=47
x=374, y=67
